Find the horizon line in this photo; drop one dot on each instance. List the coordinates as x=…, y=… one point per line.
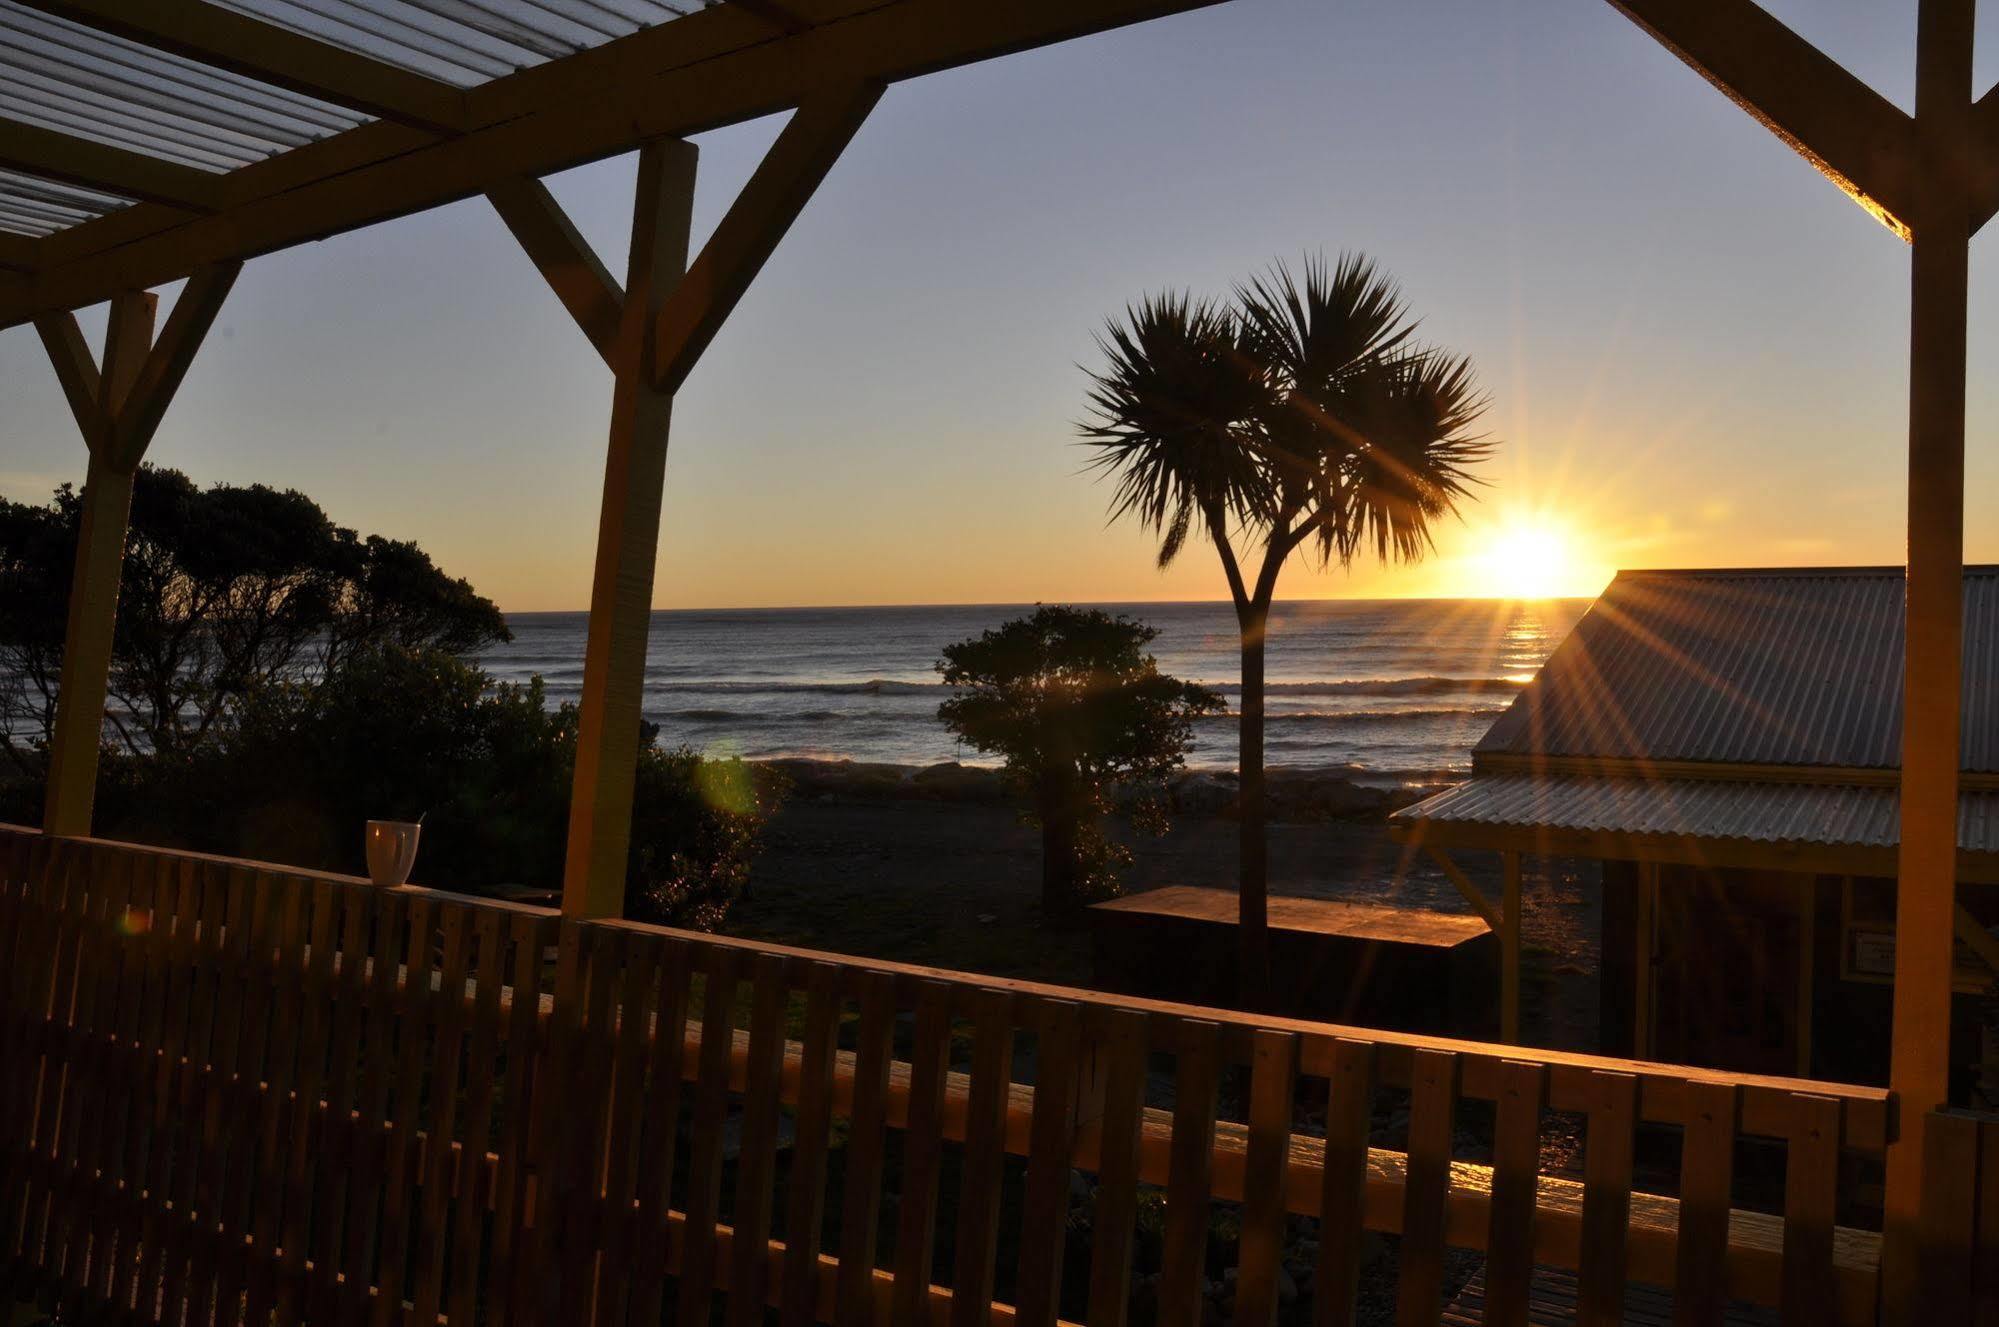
x=1090, y=603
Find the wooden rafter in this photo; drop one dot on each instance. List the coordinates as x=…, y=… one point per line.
x=57, y=156
x=18, y=252
x=166, y=364
x=76, y=369
x=264, y=51
x=565, y=259
x=714, y=68
x=1855, y=136
x=774, y=12
x=776, y=192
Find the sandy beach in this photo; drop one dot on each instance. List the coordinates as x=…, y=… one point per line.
x=882, y=861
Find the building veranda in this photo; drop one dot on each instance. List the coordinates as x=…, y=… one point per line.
x=220, y=1081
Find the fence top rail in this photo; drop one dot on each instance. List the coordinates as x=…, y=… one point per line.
x=1768, y=1103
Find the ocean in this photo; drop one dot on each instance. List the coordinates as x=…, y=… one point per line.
x=1385, y=690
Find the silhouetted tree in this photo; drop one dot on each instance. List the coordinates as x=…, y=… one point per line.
x=1074, y=704
x=1301, y=415
x=225, y=590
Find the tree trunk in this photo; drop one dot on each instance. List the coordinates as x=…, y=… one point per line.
x=1058, y=855
x=1253, y=921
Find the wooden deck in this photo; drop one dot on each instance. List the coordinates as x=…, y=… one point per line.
x=1552, y=1302
x=230, y=1175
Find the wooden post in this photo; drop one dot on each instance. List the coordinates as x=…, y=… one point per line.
x=117, y=406
x=1808, y=914
x=607, y=739
x=1925, y=904
x=664, y=318
x=100, y=558
x=1509, y=950
x=1641, y=995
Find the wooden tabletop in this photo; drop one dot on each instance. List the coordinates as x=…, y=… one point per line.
x=1307, y=916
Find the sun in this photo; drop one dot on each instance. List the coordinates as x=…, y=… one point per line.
x=1526, y=559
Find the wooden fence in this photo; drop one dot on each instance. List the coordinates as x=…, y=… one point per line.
x=234, y=1093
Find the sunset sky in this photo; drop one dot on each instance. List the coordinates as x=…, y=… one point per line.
x=1695, y=346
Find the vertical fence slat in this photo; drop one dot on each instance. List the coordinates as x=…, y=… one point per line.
x=513, y=1253
x=1607, y=1161
x=372, y=1137
x=103, y=963
x=185, y=1266
x=474, y=1194
x=245, y=1097
x=1985, y=1252
x=113, y=1237
x=922, y=1156
x=661, y=1128
x=78, y=1085
x=19, y=919
x=805, y=1195
x=400, y=1157
x=1433, y=1097
x=125, y=1105
x=58, y=1067
x=867, y=1129
x=984, y=1167
x=1044, y=1206
x=1949, y=1210
x=637, y=990
x=1811, y=1197
x=335, y=1154
x=756, y=1164
x=237, y=1086
x=1343, y=1196
x=576, y=1201
x=205, y=1093
x=302, y=1177
x=1190, y=1174
x=1707, y=1178
x=1516, y=1177
x=711, y=1109
x=1123, y=1050
x=40, y=1067
x=446, y=1064
x=1272, y=1088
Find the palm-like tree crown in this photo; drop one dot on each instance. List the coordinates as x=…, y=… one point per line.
x=1169, y=413
x=1305, y=411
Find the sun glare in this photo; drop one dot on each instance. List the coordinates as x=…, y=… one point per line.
x=1527, y=560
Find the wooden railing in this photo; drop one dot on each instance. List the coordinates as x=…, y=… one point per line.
x=239, y=1093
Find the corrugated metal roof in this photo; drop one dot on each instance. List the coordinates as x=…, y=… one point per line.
x=1778, y=667
x=1798, y=813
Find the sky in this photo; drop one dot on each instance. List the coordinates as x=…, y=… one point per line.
x=1694, y=345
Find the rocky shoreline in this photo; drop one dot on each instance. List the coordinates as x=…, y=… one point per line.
x=1295, y=794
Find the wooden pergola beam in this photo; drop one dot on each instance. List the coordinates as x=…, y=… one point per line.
x=167, y=362
x=1856, y=137
x=18, y=253
x=271, y=54
x=775, y=13
x=726, y=67
x=76, y=371
x=783, y=182
x=33, y=150
x=565, y=260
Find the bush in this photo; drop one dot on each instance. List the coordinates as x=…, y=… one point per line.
x=1070, y=699
x=418, y=734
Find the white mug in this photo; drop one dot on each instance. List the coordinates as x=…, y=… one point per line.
x=391, y=850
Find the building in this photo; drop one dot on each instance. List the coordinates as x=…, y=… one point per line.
x=1727, y=744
